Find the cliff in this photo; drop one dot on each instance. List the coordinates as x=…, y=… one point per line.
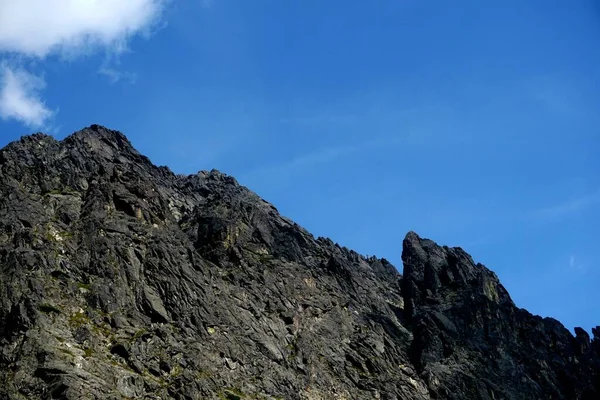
x=122, y=280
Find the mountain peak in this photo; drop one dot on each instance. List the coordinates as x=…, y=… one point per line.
x=412, y=236
x=123, y=280
x=98, y=135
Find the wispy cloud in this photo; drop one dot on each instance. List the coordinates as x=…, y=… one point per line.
x=115, y=75
x=320, y=120
x=20, y=97
x=319, y=156
x=574, y=263
x=323, y=156
x=561, y=94
x=571, y=206
x=34, y=30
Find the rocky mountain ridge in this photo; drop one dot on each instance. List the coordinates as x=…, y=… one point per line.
x=121, y=280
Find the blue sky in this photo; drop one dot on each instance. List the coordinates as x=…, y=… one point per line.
x=473, y=123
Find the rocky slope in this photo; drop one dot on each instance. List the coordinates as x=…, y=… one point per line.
x=122, y=280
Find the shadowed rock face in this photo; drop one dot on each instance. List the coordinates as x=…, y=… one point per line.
x=121, y=280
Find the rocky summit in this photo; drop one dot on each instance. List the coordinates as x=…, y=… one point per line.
x=123, y=280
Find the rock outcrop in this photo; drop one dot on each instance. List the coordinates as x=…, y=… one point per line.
x=122, y=280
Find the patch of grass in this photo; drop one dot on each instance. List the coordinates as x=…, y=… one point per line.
x=65, y=190
x=174, y=328
x=47, y=308
x=262, y=256
x=293, y=348
x=50, y=237
x=157, y=379
x=102, y=330
x=87, y=353
x=68, y=352
x=85, y=286
x=138, y=334
x=176, y=371
x=203, y=374
x=78, y=319
x=231, y=394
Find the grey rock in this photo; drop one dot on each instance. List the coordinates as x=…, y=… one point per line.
x=121, y=280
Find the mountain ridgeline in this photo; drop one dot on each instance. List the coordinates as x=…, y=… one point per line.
x=122, y=280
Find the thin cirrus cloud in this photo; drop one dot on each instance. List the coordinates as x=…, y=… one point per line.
x=569, y=207
x=321, y=156
x=576, y=264
x=37, y=29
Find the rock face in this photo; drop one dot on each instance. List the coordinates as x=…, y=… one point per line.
x=122, y=280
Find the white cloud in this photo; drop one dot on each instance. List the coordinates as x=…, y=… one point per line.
x=40, y=27
x=37, y=29
x=115, y=75
x=20, y=97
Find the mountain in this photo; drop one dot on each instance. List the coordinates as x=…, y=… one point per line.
x=123, y=280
